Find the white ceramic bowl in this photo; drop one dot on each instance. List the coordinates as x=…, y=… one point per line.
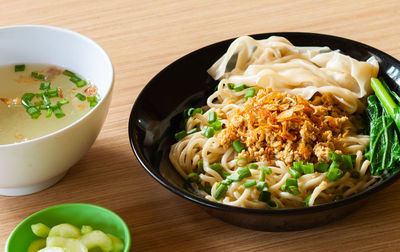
x=36, y=164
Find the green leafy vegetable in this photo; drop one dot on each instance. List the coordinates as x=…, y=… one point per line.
x=384, y=116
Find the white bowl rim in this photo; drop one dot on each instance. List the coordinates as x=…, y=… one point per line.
x=109, y=89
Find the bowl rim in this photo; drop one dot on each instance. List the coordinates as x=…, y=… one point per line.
x=219, y=206
x=91, y=111
x=127, y=243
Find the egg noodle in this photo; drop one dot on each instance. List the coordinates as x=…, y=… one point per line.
x=299, y=106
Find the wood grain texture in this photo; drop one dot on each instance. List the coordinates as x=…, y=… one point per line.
x=142, y=37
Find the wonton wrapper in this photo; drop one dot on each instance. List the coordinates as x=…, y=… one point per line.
x=275, y=63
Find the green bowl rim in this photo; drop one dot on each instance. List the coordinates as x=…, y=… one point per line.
x=124, y=225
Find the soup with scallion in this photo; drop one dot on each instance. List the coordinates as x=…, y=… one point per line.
x=38, y=99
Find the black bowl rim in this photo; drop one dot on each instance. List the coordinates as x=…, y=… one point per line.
x=214, y=205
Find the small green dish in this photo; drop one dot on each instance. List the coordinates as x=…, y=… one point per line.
x=77, y=214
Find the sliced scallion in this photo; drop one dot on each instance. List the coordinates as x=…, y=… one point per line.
x=212, y=116
x=80, y=96
x=250, y=92
x=19, y=68
x=253, y=166
x=250, y=183
x=208, y=132
x=238, y=146
x=240, y=162
x=68, y=73
x=221, y=191
x=192, y=177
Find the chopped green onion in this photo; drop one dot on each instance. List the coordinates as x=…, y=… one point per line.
x=238, y=146
x=19, y=68
x=250, y=183
x=68, y=73
x=294, y=173
x=334, y=156
x=244, y=173
x=92, y=104
x=272, y=204
x=80, y=96
x=266, y=169
x=293, y=190
x=216, y=167
x=53, y=105
x=44, y=85
x=226, y=181
x=74, y=79
x=265, y=196
x=261, y=185
x=38, y=76
x=208, y=132
x=200, y=166
x=193, y=111
x=334, y=173
x=44, y=107
x=355, y=174
x=283, y=188
x=234, y=177
x=240, y=87
x=225, y=174
x=180, y=135
x=217, y=125
x=262, y=175
x=62, y=102
x=308, y=168
x=192, y=177
x=26, y=100
x=212, y=116
x=249, y=93
x=221, y=191
x=240, y=162
x=81, y=83
x=52, y=92
x=347, y=163
x=91, y=98
x=59, y=113
x=307, y=200
x=253, y=166
x=231, y=86
x=45, y=99
x=33, y=112
x=322, y=167
x=291, y=182
x=298, y=166
x=49, y=112
x=194, y=130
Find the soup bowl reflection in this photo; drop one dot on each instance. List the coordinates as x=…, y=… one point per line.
x=34, y=165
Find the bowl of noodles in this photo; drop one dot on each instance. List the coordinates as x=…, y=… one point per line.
x=274, y=132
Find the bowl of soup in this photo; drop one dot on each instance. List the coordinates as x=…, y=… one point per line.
x=54, y=96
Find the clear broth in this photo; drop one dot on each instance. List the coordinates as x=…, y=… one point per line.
x=16, y=125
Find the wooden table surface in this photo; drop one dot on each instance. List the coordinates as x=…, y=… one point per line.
x=142, y=37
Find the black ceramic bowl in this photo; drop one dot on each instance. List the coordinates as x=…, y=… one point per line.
x=185, y=83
